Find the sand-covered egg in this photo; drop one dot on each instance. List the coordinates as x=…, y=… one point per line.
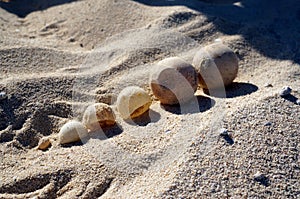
x=132, y=102
x=217, y=66
x=72, y=131
x=173, y=81
x=97, y=116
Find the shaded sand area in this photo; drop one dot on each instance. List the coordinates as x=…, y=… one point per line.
x=58, y=58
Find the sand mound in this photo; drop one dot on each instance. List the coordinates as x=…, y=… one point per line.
x=58, y=60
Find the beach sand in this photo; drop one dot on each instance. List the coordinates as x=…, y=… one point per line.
x=57, y=59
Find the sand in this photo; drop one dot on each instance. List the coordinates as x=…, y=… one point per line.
x=57, y=59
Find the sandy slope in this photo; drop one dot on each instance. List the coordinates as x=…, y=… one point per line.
x=57, y=61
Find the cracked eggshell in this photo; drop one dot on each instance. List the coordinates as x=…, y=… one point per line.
x=132, y=102
x=71, y=132
x=97, y=116
x=217, y=66
x=174, y=81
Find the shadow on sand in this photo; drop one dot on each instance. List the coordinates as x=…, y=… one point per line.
x=204, y=104
x=21, y=8
x=150, y=116
x=236, y=89
x=291, y=98
x=271, y=27
x=102, y=134
x=107, y=132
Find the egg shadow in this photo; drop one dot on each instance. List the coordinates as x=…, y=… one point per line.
x=101, y=134
x=203, y=104
x=149, y=116
x=106, y=132
x=236, y=89
x=290, y=98
x=77, y=143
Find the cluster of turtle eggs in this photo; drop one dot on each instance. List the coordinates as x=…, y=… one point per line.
x=132, y=102
x=173, y=81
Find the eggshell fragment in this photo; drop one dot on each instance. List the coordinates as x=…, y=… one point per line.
x=44, y=143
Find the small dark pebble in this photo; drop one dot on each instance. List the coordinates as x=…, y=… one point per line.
x=223, y=132
x=285, y=91
x=258, y=176
x=3, y=95
x=71, y=40
x=261, y=178
x=268, y=124
x=227, y=136
x=168, y=131
x=268, y=85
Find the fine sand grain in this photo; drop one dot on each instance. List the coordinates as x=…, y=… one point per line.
x=56, y=60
